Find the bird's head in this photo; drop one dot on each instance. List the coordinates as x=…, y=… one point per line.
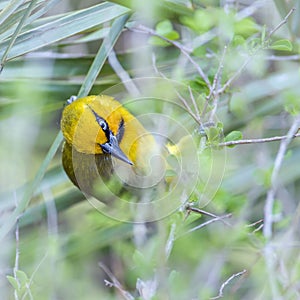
x=95, y=125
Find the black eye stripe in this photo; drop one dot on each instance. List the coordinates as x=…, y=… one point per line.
x=121, y=130
x=102, y=123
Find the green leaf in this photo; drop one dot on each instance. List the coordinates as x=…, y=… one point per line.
x=291, y=103
x=233, y=136
x=238, y=40
x=172, y=35
x=13, y=281
x=282, y=45
x=23, y=279
x=213, y=135
x=164, y=27
x=157, y=41
x=245, y=27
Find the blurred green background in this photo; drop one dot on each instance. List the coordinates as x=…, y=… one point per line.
x=52, y=239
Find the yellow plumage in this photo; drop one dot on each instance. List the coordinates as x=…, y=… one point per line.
x=96, y=130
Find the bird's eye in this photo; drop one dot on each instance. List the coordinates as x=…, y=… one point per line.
x=103, y=125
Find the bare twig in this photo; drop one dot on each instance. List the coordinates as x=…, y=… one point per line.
x=247, y=61
x=188, y=108
x=205, y=213
x=184, y=50
x=196, y=116
x=269, y=254
x=194, y=104
x=236, y=74
x=221, y=291
x=256, y=223
x=249, y=10
x=28, y=292
x=115, y=283
x=284, y=21
x=268, y=210
x=218, y=73
x=257, y=141
x=209, y=222
x=123, y=75
x=16, y=267
x=283, y=58
x=258, y=228
x=213, y=92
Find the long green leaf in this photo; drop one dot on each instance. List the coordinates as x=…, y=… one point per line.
x=64, y=27
x=13, y=18
x=11, y=220
x=9, y=9
x=18, y=29
x=101, y=56
x=95, y=69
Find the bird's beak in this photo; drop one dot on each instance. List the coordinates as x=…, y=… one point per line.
x=112, y=147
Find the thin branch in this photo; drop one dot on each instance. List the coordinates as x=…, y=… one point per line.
x=212, y=91
x=16, y=267
x=284, y=21
x=249, y=10
x=218, y=73
x=216, y=82
x=269, y=254
x=115, y=283
x=209, y=222
x=188, y=108
x=256, y=223
x=203, y=212
x=186, y=51
x=221, y=291
x=144, y=29
x=247, y=61
x=258, y=228
x=268, y=210
x=257, y=141
x=283, y=58
x=195, y=117
x=123, y=75
x=194, y=103
x=236, y=74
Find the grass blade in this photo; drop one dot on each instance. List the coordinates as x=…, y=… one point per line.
x=64, y=27
x=95, y=68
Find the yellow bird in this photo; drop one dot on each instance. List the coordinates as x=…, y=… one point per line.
x=102, y=138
